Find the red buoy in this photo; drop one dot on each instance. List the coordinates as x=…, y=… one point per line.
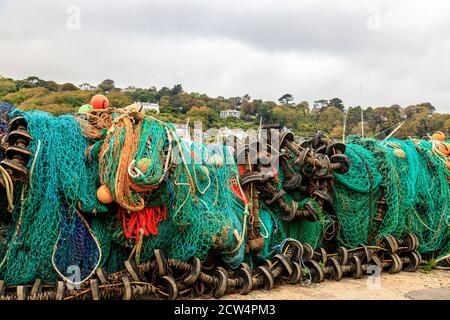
x=99, y=101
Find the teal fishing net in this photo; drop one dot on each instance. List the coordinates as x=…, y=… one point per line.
x=58, y=228
x=202, y=210
x=45, y=232
x=392, y=187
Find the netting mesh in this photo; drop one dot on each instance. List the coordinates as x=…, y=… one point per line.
x=203, y=212
x=430, y=217
x=59, y=182
x=392, y=187
x=131, y=160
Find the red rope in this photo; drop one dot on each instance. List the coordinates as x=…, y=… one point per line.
x=237, y=191
x=145, y=220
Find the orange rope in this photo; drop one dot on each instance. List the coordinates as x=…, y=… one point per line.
x=145, y=220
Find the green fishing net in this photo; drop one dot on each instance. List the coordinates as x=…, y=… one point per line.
x=202, y=210
x=392, y=187
x=45, y=233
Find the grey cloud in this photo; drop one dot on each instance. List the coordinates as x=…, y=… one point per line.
x=313, y=49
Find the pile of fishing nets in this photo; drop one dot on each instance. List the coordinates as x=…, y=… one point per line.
x=46, y=234
x=109, y=185
x=394, y=187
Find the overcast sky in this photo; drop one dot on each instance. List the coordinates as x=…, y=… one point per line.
x=371, y=53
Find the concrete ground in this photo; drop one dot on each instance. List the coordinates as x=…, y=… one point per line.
x=401, y=286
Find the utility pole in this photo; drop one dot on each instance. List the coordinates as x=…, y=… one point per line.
x=345, y=125
x=362, y=111
x=362, y=123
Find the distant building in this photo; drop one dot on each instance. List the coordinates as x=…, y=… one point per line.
x=230, y=113
x=149, y=106
x=241, y=134
x=87, y=87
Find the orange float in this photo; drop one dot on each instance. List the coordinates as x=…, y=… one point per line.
x=445, y=149
x=442, y=148
x=438, y=135
x=104, y=195
x=99, y=101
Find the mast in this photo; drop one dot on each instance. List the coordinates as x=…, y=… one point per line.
x=362, y=123
x=344, y=126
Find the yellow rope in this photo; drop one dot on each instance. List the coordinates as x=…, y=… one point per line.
x=9, y=188
x=240, y=237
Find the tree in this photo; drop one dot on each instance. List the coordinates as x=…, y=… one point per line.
x=286, y=98
x=330, y=118
x=117, y=99
x=164, y=103
x=336, y=102
x=33, y=80
x=51, y=85
x=320, y=104
x=69, y=87
x=69, y=99
x=354, y=116
x=246, y=97
x=23, y=84
x=235, y=101
x=36, y=82
x=7, y=86
x=23, y=95
x=143, y=95
x=247, y=108
x=422, y=119
x=107, y=85
x=204, y=114
x=303, y=107
x=182, y=102
x=176, y=89
x=264, y=110
x=223, y=105
x=428, y=106
x=164, y=91
x=285, y=116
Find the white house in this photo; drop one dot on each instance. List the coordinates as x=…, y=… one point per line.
x=87, y=87
x=149, y=106
x=230, y=113
x=241, y=134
